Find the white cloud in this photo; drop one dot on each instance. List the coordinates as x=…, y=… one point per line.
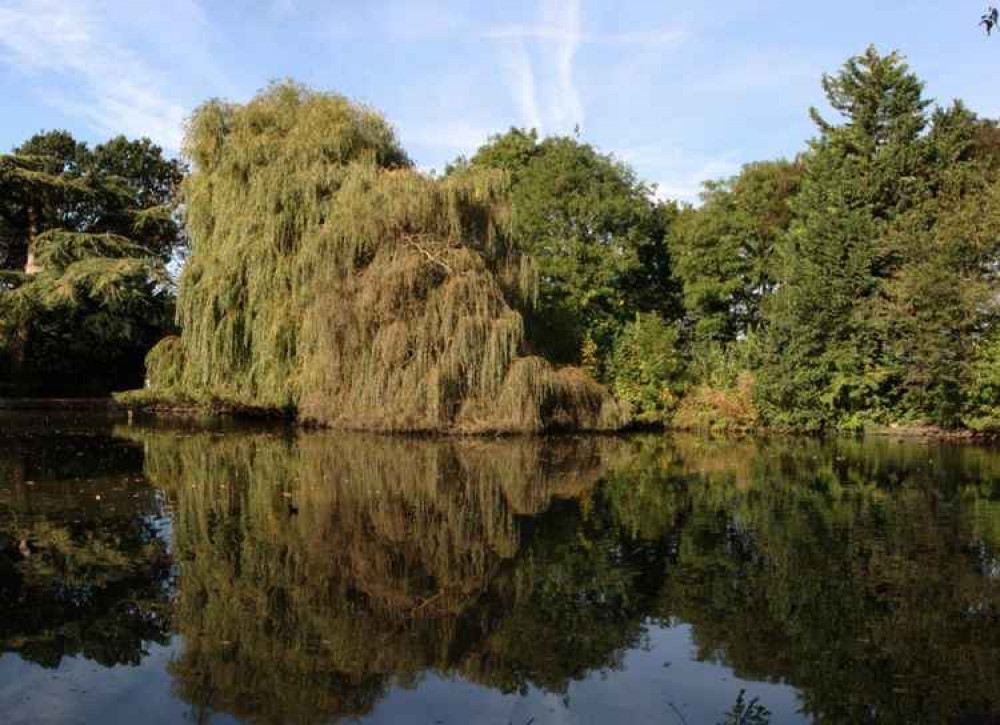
x=96, y=77
x=558, y=36
x=565, y=15
x=521, y=78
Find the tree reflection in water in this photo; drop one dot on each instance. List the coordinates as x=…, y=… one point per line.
x=84, y=569
x=316, y=571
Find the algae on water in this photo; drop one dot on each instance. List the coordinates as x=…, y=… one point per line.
x=329, y=277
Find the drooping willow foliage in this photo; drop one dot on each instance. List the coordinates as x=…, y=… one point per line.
x=329, y=277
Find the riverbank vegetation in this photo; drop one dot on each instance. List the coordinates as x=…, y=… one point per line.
x=539, y=283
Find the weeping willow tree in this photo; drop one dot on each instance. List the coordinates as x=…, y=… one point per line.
x=330, y=278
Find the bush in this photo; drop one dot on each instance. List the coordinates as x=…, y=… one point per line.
x=982, y=391
x=645, y=369
x=705, y=407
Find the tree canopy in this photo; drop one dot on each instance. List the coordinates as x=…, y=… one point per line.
x=596, y=232
x=329, y=278
x=84, y=237
x=883, y=277
x=850, y=286
x=723, y=251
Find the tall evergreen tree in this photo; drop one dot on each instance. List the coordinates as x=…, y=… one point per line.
x=823, y=363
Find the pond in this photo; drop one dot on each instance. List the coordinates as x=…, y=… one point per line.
x=168, y=573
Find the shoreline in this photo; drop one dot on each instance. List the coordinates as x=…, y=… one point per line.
x=60, y=404
x=222, y=411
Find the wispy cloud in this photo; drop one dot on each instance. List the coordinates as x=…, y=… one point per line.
x=565, y=15
x=521, y=78
x=558, y=38
x=92, y=75
x=665, y=36
x=561, y=34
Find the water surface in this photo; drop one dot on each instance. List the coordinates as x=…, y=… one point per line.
x=167, y=574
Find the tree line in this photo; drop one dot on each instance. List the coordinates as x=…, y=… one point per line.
x=853, y=285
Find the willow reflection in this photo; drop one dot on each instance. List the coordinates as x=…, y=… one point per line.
x=314, y=572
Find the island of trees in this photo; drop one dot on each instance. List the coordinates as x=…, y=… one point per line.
x=538, y=284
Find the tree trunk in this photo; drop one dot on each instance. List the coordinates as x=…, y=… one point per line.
x=19, y=345
x=18, y=355
x=31, y=266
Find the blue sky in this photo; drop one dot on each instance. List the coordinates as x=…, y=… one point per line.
x=683, y=91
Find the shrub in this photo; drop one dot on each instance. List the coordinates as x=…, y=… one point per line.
x=645, y=368
x=705, y=407
x=982, y=392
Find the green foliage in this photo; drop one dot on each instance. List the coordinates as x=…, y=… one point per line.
x=122, y=187
x=328, y=277
x=853, y=287
x=84, y=235
x=85, y=321
x=982, y=391
x=723, y=251
x=881, y=274
x=598, y=237
x=646, y=368
x=940, y=296
x=747, y=712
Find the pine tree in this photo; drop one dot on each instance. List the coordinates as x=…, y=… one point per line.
x=823, y=361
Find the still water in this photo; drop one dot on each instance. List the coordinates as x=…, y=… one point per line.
x=156, y=574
